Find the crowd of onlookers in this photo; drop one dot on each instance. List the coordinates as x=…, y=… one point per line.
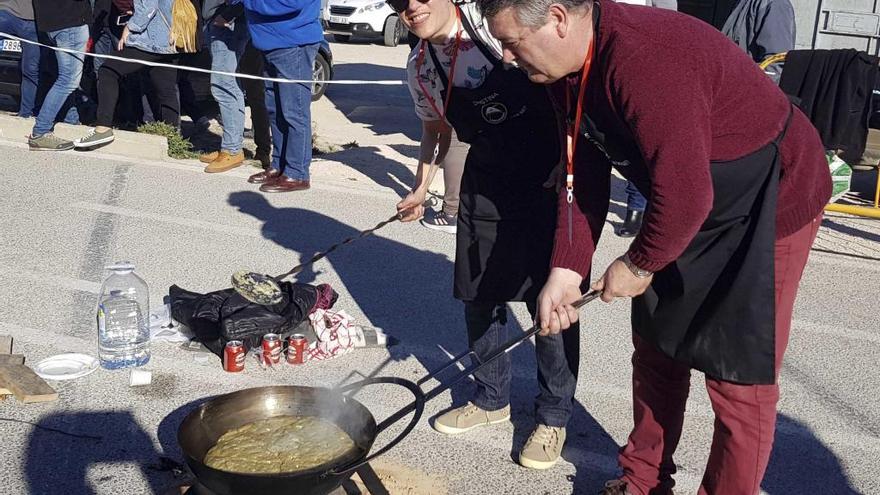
x=276, y=38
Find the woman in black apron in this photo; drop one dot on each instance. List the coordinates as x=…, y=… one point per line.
x=504, y=236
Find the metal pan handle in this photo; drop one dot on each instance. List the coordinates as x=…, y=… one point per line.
x=418, y=405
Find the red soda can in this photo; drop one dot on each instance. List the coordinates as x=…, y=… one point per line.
x=296, y=348
x=272, y=348
x=233, y=356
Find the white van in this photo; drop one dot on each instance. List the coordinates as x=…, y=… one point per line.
x=369, y=18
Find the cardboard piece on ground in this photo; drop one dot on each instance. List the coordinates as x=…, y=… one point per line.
x=11, y=359
x=25, y=384
x=5, y=348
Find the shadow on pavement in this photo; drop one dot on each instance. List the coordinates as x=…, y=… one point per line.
x=830, y=223
x=588, y=446
x=803, y=464
x=74, y=453
x=383, y=109
x=385, y=172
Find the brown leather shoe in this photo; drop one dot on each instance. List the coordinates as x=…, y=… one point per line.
x=225, y=162
x=209, y=157
x=284, y=183
x=264, y=176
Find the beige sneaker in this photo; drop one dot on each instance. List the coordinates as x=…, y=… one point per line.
x=225, y=162
x=467, y=418
x=543, y=447
x=209, y=157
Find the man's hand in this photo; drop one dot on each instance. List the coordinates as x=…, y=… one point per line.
x=555, y=312
x=619, y=281
x=123, y=39
x=412, y=206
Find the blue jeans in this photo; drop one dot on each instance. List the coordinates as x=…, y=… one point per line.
x=634, y=199
x=289, y=107
x=70, y=69
x=104, y=45
x=227, y=47
x=30, y=60
x=558, y=357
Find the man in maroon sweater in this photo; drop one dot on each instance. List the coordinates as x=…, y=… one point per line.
x=736, y=180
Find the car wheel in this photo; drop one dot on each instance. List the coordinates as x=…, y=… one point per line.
x=342, y=38
x=392, y=31
x=320, y=73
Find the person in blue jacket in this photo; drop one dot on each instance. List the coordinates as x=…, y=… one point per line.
x=288, y=33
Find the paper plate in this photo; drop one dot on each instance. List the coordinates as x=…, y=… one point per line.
x=66, y=366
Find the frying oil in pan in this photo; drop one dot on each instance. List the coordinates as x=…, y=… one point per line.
x=282, y=444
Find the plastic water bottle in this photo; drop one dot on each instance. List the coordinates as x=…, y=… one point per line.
x=123, y=318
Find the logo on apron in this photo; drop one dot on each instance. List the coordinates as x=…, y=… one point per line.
x=494, y=112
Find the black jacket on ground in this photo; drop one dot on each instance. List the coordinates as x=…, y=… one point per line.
x=834, y=88
x=217, y=317
x=52, y=15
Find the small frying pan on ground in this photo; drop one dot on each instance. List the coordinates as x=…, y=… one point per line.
x=264, y=289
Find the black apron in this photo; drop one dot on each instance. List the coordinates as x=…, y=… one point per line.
x=506, y=218
x=714, y=308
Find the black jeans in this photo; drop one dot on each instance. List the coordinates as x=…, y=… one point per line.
x=557, y=357
x=163, y=79
x=255, y=94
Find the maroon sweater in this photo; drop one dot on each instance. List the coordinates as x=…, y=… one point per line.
x=675, y=94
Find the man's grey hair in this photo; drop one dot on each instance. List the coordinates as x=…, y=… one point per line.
x=530, y=13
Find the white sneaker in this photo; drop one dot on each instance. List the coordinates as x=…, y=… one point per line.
x=440, y=220
x=94, y=138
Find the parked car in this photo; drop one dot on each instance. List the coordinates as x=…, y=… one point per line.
x=10, y=68
x=323, y=70
x=10, y=71
x=368, y=18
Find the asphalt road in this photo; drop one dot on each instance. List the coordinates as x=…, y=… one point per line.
x=65, y=216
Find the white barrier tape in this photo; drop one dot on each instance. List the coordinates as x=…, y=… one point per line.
x=206, y=71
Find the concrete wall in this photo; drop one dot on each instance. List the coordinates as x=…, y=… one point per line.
x=806, y=19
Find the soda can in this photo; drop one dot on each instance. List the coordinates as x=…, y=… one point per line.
x=233, y=356
x=272, y=348
x=296, y=348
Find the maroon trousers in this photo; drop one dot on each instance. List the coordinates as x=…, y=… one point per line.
x=745, y=415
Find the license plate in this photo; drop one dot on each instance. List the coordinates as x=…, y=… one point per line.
x=11, y=46
x=338, y=20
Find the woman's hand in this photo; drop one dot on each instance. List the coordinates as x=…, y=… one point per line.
x=412, y=206
x=123, y=39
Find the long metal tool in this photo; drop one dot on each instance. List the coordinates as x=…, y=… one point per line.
x=264, y=289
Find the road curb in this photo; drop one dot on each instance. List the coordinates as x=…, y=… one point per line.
x=126, y=144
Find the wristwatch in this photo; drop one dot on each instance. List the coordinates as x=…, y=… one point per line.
x=638, y=272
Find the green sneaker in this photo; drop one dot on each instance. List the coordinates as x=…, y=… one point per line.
x=49, y=142
x=468, y=417
x=543, y=447
x=94, y=138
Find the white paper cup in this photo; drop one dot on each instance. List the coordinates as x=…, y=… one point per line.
x=140, y=377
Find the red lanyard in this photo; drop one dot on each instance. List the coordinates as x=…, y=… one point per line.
x=573, y=131
x=421, y=60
